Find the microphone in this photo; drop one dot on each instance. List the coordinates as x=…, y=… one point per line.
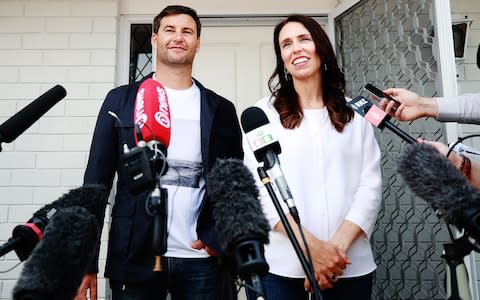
x=478, y=56
x=377, y=117
x=238, y=218
x=152, y=112
x=147, y=162
x=17, y=124
x=58, y=263
x=152, y=137
x=265, y=147
x=92, y=197
x=432, y=177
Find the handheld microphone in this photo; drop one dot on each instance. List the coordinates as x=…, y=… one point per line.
x=238, y=217
x=152, y=137
x=22, y=120
x=431, y=176
x=152, y=112
x=58, y=263
x=25, y=237
x=377, y=117
x=265, y=147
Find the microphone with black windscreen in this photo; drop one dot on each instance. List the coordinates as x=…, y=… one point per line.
x=239, y=219
x=57, y=265
x=92, y=197
x=21, y=121
x=266, y=148
x=478, y=56
x=377, y=117
x=432, y=177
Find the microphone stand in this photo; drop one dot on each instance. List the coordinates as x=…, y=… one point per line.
x=157, y=204
x=307, y=268
x=457, y=276
x=250, y=260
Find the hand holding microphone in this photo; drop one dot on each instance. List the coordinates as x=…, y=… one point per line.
x=431, y=176
x=412, y=107
x=377, y=117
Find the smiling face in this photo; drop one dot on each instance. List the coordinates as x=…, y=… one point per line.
x=298, y=51
x=176, y=41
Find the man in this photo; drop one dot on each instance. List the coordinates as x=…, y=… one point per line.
x=204, y=128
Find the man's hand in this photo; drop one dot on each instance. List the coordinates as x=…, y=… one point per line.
x=89, y=283
x=198, y=244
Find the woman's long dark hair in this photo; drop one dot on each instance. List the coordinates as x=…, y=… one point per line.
x=333, y=81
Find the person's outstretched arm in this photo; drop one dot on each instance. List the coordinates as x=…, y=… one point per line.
x=412, y=107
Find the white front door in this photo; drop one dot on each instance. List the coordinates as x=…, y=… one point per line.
x=236, y=62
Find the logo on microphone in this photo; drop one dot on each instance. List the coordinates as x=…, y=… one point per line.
x=162, y=116
x=140, y=115
x=259, y=137
x=375, y=115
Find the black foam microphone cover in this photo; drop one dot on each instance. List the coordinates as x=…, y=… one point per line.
x=431, y=176
x=22, y=120
x=236, y=209
x=252, y=118
x=92, y=197
x=58, y=263
x=478, y=56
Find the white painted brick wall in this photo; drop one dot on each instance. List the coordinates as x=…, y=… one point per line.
x=44, y=43
x=20, y=58
x=10, y=42
x=69, y=25
x=11, y=9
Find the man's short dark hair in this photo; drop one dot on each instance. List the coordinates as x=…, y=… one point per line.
x=177, y=10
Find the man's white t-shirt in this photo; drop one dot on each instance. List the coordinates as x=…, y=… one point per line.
x=185, y=178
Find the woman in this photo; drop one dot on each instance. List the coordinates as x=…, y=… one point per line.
x=331, y=162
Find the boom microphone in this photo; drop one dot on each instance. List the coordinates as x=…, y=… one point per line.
x=258, y=132
x=92, y=197
x=377, y=117
x=432, y=177
x=58, y=263
x=16, y=125
x=238, y=216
